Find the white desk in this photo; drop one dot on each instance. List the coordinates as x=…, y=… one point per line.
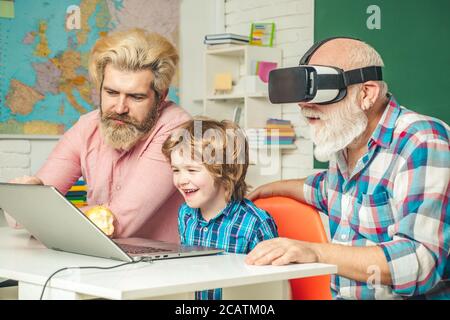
x=24, y=259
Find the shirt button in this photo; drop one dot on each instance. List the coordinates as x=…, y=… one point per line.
x=205, y=229
x=117, y=187
x=343, y=237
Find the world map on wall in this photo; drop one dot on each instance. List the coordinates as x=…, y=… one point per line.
x=44, y=51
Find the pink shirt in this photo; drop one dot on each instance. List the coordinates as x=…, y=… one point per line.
x=136, y=185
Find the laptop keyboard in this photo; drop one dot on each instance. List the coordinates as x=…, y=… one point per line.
x=138, y=249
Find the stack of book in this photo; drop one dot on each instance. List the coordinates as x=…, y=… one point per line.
x=276, y=132
x=256, y=137
x=280, y=132
x=225, y=39
x=77, y=194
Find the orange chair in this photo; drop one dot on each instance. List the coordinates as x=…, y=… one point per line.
x=297, y=220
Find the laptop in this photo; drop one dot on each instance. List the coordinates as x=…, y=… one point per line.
x=59, y=225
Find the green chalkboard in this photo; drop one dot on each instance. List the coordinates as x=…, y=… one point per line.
x=413, y=38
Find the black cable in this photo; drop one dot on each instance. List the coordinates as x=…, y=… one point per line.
x=101, y=268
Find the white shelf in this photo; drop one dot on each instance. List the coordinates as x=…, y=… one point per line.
x=227, y=51
x=225, y=97
x=238, y=96
x=281, y=146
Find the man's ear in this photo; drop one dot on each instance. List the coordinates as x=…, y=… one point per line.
x=164, y=95
x=369, y=94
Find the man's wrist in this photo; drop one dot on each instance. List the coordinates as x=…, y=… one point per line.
x=317, y=249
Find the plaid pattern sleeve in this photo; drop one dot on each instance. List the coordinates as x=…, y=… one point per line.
x=315, y=191
x=266, y=230
x=418, y=254
x=238, y=228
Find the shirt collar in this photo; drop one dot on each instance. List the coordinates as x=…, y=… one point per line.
x=230, y=209
x=385, y=129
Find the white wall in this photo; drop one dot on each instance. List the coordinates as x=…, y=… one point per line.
x=294, y=34
x=197, y=18
x=23, y=155
x=2, y=223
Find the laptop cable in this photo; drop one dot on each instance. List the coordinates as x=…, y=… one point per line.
x=143, y=259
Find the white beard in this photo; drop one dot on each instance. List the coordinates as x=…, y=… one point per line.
x=338, y=130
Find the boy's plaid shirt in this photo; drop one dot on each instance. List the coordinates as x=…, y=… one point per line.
x=238, y=228
x=397, y=198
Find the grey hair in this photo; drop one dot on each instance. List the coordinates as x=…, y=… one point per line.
x=363, y=55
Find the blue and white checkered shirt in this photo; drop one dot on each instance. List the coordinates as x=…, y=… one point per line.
x=238, y=228
x=397, y=198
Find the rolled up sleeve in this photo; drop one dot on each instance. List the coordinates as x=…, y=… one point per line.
x=63, y=168
x=315, y=191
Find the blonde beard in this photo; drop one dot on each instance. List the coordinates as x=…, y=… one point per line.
x=120, y=138
x=340, y=129
x=126, y=136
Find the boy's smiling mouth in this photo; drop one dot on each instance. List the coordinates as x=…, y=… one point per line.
x=190, y=191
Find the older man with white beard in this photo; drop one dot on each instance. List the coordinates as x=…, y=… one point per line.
x=386, y=190
x=117, y=149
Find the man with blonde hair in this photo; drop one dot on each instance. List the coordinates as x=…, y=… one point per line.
x=117, y=148
x=386, y=191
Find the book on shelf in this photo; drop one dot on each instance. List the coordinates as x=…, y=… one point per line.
x=281, y=133
x=278, y=126
x=226, y=36
x=77, y=194
x=271, y=133
x=78, y=188
x=277, y=121
x=276, y=132
x=269, y=143
x=279, y=139
x=280, y=142
x=256, y=136
x=225, y=41
x=80, y=182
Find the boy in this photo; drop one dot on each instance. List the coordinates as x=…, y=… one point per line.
x=209, y=161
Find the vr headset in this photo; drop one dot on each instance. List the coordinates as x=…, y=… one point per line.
x=315, y=83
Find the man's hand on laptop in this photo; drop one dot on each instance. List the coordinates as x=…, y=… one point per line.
x=22, y=180
x=26, y=180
